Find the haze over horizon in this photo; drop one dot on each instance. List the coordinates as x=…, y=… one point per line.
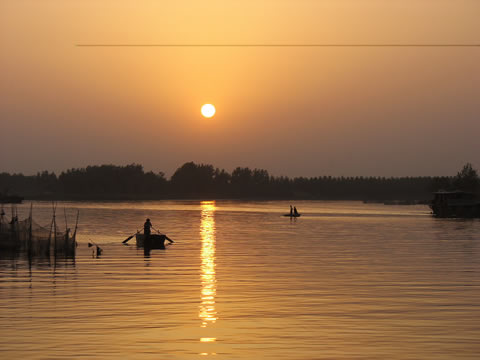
x=346, y=111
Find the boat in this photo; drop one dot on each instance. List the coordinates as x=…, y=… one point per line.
x=399, y=202
x=10, y=199
x=455, y=204
x=292, y=215
x=157, y=241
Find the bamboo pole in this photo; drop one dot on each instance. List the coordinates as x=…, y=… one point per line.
x=74, y=236
x=29, y=243
x=49, y=239
x=66, y=242
x=2, y=214
x=66, y=222
x=54, y=232
x=76, y=223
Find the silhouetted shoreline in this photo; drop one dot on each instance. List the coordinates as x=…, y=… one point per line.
x=203, y=181
x=206, y=197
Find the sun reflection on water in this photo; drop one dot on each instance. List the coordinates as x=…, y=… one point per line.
x=208, y=313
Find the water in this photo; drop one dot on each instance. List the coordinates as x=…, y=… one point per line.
x=345, y=281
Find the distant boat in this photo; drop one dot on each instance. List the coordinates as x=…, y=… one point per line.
x=292, y=215
x=10, y=199
x=459, y=204
x=400, y=202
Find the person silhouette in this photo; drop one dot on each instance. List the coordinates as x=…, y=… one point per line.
x=147, y=244
x=155, y=241
x=146, y=227
x=291, y=210
x=295, y=212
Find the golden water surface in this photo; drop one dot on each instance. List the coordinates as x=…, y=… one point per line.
x=345, y=281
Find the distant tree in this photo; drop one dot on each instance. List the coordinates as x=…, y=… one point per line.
x=438, y=183
x=191, y=178
x=111, y=182
x=200, y=180
x=242, y=181
x=467, y=179
x=45, y=183
x=221, y=180
x=261, y=182
x=260, y=177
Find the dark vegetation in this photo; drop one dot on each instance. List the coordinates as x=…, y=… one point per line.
x=110, y=182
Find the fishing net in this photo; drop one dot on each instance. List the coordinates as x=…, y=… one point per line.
x=32, y=237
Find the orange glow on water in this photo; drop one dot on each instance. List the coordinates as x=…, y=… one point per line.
x=208, y=339
x=208, y=313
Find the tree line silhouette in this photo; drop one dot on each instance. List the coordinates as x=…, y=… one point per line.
x=197, y=181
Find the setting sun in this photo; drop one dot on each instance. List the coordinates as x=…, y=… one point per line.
x=208, y=110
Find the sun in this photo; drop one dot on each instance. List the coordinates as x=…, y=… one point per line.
x=208, y=110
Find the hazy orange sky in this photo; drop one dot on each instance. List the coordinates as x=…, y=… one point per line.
x=293, y=111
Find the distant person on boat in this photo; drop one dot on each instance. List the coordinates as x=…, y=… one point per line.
x=291, y=210
x=295, y=212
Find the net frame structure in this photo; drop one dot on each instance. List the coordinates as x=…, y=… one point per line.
x=28, y=236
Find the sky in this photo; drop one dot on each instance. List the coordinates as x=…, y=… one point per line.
x=294, y=111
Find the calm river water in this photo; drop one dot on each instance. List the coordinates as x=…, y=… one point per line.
x=345, y=281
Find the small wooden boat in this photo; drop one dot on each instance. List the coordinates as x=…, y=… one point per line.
x=157, y=241
x=292, y=215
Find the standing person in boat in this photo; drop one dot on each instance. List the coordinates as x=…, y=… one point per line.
x=295, y=212
x=291, y=210
x=146, y=227
x=146, y=233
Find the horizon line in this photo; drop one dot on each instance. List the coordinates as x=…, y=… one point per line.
x=278, y=45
